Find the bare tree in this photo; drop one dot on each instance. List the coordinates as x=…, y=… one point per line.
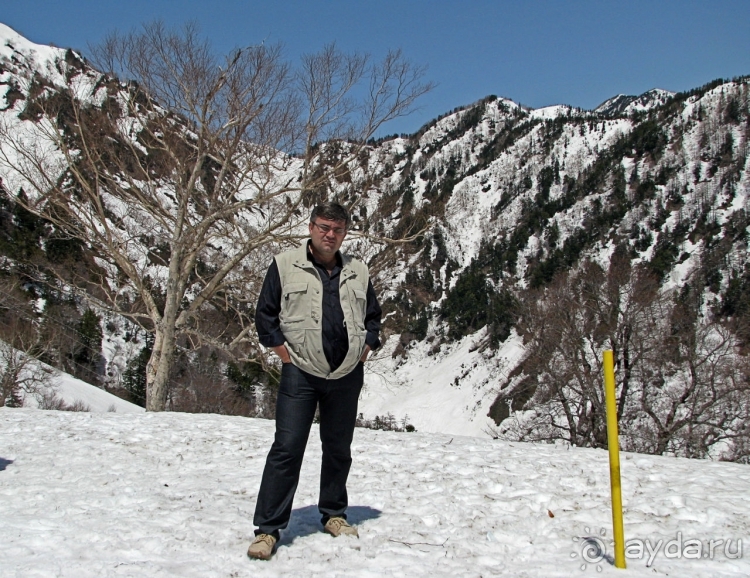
x=566, y=327
x=21, y=345
x=183, y=180
x=698, y=395
x=682, y=379
x=22, y=375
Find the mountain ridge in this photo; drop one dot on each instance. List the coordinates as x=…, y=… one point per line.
x=508, y=200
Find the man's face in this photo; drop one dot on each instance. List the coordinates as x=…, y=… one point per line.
x=327, y=236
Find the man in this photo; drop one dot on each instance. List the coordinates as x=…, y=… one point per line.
x=318, y=312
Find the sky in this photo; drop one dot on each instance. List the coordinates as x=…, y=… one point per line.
x=535, y=52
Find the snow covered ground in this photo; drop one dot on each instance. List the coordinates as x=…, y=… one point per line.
x=143, y=494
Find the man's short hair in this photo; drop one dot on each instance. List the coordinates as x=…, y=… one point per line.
x=332, y=212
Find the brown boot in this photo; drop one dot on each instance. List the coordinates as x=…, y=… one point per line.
x=338, y=526
x=262, y=547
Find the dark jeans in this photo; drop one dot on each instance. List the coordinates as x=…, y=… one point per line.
x=299, y=394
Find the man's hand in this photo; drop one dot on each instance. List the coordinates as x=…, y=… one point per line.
x=365, y=354
x=283, y=353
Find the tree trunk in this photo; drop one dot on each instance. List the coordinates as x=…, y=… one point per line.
x=158, y=369
x=165, y=338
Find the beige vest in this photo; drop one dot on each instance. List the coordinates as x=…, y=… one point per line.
x=302, y=311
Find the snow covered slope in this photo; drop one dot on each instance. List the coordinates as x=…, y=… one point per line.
x=172, y=495
x=15, y=47
x=72, y=390
x=68, y=389
x=449, y=391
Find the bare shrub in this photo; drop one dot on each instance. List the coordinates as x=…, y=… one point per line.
x=21, y=344
x=50, y=400
x=200, y=385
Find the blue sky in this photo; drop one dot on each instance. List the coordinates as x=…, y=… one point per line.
x=538, y=53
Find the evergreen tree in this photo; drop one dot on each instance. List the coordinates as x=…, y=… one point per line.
x=134, y=378
x=90, y=336
x=88, y=347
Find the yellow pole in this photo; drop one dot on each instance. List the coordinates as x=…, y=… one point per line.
x=614, y=458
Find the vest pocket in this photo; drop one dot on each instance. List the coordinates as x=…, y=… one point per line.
x=360, y=306
x=294, y=303
x=360, y=295
x=295, y=338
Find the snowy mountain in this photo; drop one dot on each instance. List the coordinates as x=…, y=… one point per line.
x=517, y=197
x=172, y=494
x=624, y=105
x=512, y=206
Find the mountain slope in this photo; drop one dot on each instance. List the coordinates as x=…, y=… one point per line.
x=504, y=204
x=517, y=196
x=626, y=105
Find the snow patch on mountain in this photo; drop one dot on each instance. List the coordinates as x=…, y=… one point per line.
x=74, y=391
x=554, y=111
x=447, y=389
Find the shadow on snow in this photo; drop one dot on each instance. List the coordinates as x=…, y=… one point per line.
x=306, y=521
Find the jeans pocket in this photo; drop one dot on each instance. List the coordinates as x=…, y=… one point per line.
x=290, y=379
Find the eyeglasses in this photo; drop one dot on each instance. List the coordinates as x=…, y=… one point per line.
x=325, y=229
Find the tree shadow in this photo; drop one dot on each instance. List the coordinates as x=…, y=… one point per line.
x=4, y=463
x=306, y=521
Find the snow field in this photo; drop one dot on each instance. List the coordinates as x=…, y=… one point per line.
x=173, y=495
